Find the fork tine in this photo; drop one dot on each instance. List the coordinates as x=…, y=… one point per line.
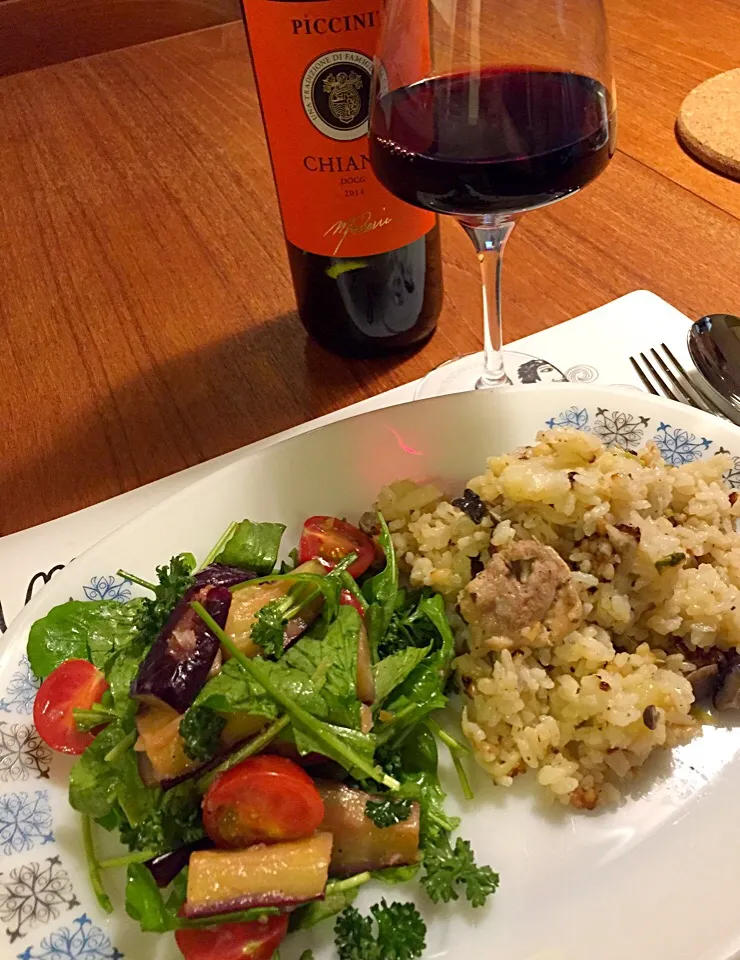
x=656, y=376
x=641, y=375
x=685, y=395
x=707, y=403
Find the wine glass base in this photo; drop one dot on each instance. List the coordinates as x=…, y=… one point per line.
x=459, y=375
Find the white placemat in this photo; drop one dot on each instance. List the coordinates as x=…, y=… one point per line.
x=594, y=346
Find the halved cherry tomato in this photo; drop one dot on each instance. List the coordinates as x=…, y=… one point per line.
x=75, y=684
x=348, y=599
x=328, y=539
x=263, y=799
x=257, y=940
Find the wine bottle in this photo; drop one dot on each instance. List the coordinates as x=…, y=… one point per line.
x=366, y=266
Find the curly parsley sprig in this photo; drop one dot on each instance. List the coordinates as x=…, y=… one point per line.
x=393, y=931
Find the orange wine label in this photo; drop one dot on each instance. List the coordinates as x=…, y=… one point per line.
x=313, y=60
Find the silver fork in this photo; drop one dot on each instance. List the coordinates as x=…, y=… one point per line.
x=681, y=388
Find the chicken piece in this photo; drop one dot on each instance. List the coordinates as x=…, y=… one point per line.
x=523, y=597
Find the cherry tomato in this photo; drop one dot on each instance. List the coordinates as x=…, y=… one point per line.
x=348, y=599
x=257, y=940
x=263, y=799
x=328, y=539
x=75, y=684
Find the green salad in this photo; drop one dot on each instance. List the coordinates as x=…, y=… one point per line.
x=261, y=737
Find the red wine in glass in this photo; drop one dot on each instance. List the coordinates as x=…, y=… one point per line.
x=494, y=141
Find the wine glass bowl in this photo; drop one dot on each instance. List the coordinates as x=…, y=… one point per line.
x=484, y=109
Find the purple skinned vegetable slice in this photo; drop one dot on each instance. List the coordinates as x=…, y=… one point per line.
x=178, y=664
x=221, y=575
x=167, y=866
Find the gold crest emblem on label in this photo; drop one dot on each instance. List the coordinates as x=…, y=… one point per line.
x=344, y=100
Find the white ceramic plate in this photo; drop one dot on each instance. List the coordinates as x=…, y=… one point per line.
x=655, y=878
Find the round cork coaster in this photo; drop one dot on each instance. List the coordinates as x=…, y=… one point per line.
x=709, y=123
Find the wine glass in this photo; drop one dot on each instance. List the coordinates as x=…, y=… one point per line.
x=484, y=109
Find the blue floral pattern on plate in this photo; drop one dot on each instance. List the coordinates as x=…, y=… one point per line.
x=107, y=588
x=677, y=446
x=33, y=894
x=629, y=431
x=82, y=941
x=21, y=690
x=25, y=820
x=576, y=417
x=731, y=476
x=23, y=754
x=615, y=428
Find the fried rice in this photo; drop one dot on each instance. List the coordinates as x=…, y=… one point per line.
x=654, y=559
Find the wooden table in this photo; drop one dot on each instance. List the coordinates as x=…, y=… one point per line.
x=147, y=315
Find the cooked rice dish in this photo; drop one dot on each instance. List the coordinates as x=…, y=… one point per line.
x=596, y=593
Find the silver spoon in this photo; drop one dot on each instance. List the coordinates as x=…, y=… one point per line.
x=714, y=346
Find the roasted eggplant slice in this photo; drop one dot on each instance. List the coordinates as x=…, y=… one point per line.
x=159, y=739
x=248, y=600
x=166, y=866
x=245, y=605
x=181, y=657
x=264, y=875
x=358, y=844
x=221, y=575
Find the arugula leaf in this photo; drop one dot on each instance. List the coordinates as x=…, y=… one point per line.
x=395, y=875
x=120, y=674
x=93, y=867
x=380, y=591
x=96, y=716
x=234, y=916
x=317, y=674
x=201, y=730
x=312, y=913
x=393, y=670
x=93, y=783
x=446, y=868
x=332, y=663
x=423, y=689
x=137, y=801
x=321, y=736
x=388, y=811
x=338, y=895
x=80, y=629
x=400, y=935
x=234, y=691
x=286, y=566
x=253, y=546
x=352, y=742
x=434, y=609
x=145, y=903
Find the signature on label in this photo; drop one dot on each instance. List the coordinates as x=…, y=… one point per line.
x=362, y=223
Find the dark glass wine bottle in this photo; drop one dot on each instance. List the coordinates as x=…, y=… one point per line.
x=366, y=266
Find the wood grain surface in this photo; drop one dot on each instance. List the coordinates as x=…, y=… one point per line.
x=146, y=309
x=35, y=33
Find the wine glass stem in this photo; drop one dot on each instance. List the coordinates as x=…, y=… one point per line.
x=489, y=241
